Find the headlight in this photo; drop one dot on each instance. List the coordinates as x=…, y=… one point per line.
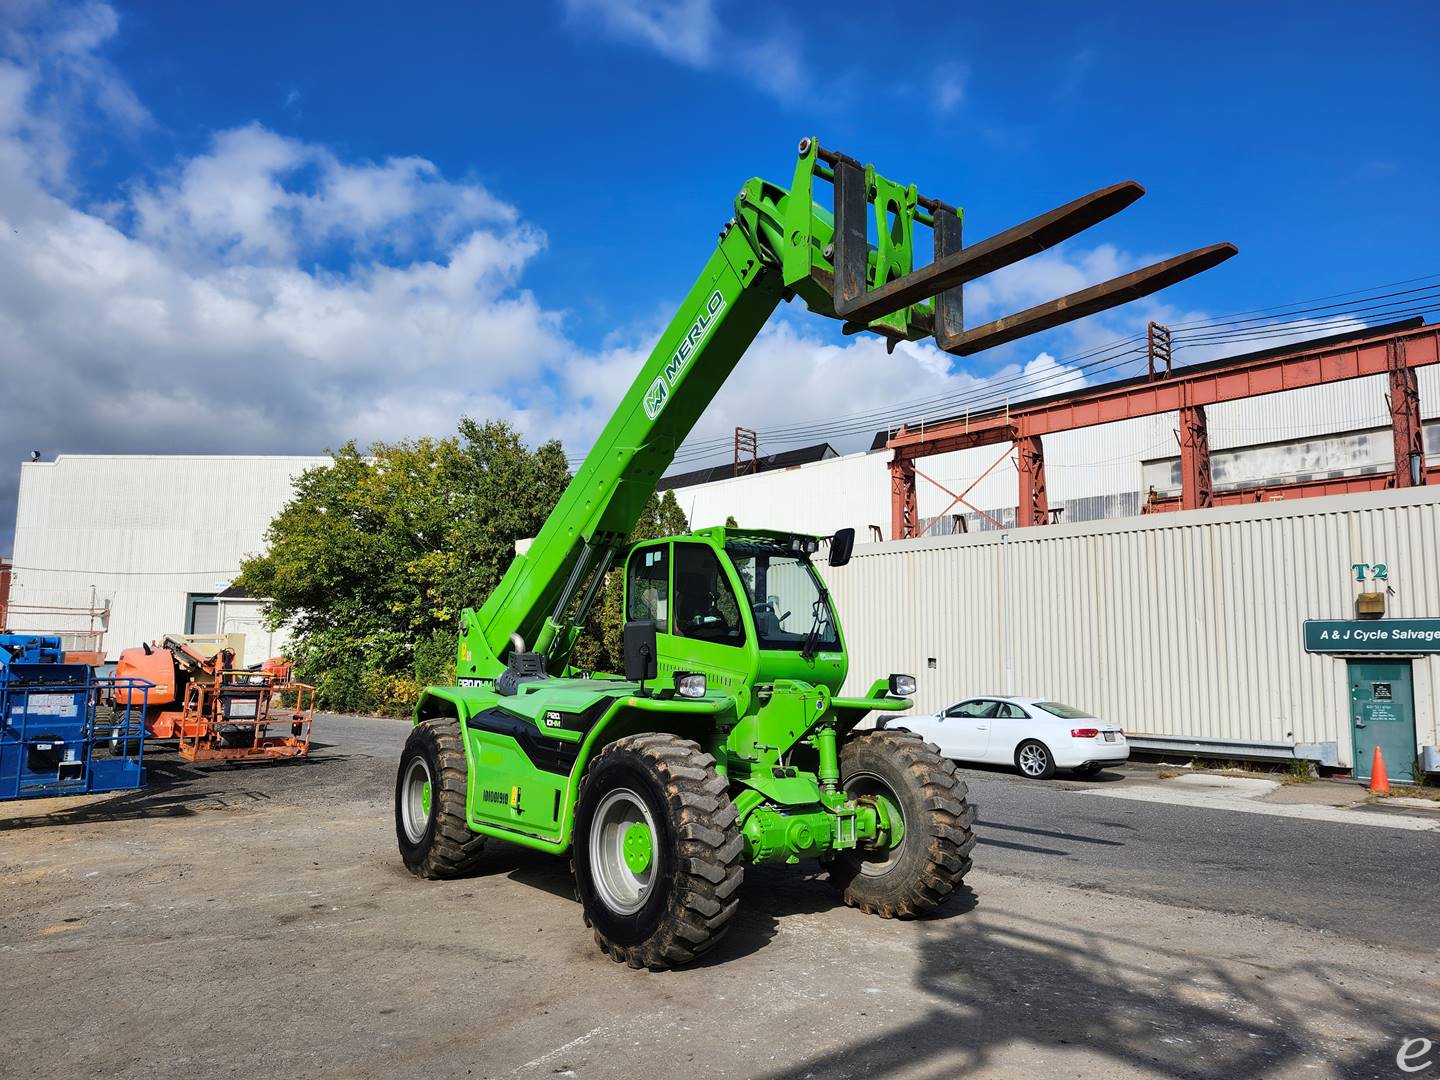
x=690, y=685
x=902, y=685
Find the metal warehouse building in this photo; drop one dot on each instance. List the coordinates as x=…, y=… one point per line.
x=136, y=547
x=1188, y=628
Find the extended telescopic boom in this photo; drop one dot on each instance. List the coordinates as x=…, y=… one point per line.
x=855, y=264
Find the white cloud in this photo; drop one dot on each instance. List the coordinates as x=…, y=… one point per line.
x=689, y=32
x=681, y=30
x=948, y=87
x=259, y=196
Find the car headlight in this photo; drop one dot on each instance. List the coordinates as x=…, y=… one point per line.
x=902, y=685
x=688, y=685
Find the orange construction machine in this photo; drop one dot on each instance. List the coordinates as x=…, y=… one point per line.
x=216, y=712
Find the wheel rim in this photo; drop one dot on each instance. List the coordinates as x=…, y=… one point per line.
x=1033, y=760
x=623, y=851
x=870, y=787
x=415, y=799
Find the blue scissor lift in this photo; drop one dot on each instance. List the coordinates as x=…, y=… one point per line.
x=58, y=733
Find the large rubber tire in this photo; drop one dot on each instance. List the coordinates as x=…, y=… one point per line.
x=934, y=854
x=444, y=846
x=1034, y=760
x=112, y=719
x=691, y=893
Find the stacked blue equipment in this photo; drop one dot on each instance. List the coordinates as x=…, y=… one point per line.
x=58, y=736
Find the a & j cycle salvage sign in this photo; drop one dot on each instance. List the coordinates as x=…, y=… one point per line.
x=1372, y=635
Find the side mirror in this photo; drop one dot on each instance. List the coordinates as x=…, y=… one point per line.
x=841, y=545
x=640, y=650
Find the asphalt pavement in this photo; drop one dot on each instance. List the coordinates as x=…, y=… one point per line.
x=1368, y=884
x=257, y=921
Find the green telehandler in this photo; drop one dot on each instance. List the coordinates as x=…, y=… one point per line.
x=727, y=740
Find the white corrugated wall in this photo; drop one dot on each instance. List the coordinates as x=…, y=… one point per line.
x=141, y=532
x=1182, y=624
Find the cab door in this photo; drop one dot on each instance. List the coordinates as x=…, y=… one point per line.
x=707, y=630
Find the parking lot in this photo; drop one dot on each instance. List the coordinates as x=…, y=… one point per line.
x=256, y=921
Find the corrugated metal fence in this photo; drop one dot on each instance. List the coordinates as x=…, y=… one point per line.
x=1184, y=624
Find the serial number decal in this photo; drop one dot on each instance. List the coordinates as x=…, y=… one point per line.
x=474, y=682
x=501, y=797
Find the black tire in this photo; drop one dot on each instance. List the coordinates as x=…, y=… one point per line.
x=690, y=893
x=437, y=843
x=934, y=855
x=1034, y=760
x=110, y=728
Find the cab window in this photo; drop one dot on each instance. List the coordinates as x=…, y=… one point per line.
x=647, y=586
x=784, y=593
x=1011, y=712
x=705, y=604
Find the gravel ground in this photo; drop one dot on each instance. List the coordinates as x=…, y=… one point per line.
x=256, y=921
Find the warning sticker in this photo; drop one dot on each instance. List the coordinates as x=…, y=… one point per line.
x=50, y=705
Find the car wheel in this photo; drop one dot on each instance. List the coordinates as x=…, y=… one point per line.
x=1034, y=760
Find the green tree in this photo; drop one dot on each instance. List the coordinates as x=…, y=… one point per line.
x=376, y=554
x=601, y=648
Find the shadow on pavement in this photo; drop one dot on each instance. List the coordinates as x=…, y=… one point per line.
x=1064, y=778
x=173, y=787
x=983, y=828
x=993, y=988
x=771, y=893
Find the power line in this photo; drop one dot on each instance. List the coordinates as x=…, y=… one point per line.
x=990, y=395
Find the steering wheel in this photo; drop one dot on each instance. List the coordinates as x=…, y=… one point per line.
x=767, y=608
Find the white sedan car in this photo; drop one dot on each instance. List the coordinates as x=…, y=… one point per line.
x=1035, y=736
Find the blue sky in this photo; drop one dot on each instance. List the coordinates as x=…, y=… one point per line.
x=393, y=214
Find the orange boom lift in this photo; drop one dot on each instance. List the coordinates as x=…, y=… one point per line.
x=218, y=713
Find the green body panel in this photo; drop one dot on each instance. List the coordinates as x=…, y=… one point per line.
x=527, y=795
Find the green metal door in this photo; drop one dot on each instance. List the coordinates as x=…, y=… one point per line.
x=1382, y=713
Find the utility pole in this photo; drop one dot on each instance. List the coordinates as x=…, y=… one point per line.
x=746, y=442
x=1158, y=348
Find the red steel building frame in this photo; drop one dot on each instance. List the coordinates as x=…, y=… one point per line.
x=1187, y=391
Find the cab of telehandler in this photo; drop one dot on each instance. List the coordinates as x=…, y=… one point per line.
x=739, y=606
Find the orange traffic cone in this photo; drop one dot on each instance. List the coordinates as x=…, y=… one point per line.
x=1379, y=782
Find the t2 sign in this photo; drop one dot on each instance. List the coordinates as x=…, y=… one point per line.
x=1365, y=571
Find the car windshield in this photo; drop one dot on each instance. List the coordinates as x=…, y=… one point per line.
x=1065, y=712
x=785, y=595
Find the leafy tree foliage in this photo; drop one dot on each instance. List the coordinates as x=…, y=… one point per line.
x=376, y=554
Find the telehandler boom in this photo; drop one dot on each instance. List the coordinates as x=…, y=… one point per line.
x=727, y=741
